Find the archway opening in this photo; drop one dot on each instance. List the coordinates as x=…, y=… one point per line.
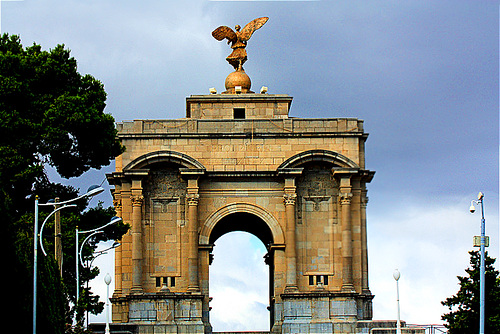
x=241, y=274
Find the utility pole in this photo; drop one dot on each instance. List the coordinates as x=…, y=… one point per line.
x=58, y=237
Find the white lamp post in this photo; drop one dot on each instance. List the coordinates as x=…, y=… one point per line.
x=107, y=280
x=40, y=235
x=482, y=269
x=78, y=252
x=92, y=191
x=396, y=276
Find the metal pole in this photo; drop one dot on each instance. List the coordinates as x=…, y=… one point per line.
x=482, y=272
x=77, y=274
x=58, y=236
x=35, y=262
x=398, y=328
x=107, y=280
x=396, y=276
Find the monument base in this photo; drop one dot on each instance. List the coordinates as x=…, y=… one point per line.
x=162, y=313
x=304, y=313
x=321, y=312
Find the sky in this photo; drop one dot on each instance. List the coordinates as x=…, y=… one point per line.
x=423, y=75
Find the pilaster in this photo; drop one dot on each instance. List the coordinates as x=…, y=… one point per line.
x=345, y=197
x=117, y=203
x=137, y=200
x=364, y=243
x=192, y=199
x=290, y=198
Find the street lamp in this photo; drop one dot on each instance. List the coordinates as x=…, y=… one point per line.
x=482, y=246
x=40, y=235
x=107, y=280
x=78, y=250
x=91, y=191
x=116, y=244
x=396, y=276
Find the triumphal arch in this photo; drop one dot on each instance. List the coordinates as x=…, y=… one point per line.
x=238, y=162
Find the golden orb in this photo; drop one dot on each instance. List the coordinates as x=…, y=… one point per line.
x=238, y=78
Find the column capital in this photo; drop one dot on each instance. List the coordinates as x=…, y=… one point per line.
x=364, y=200
x=345, y=198
x=193, y=198
x=117, y=203
x=289, y=199
x=137, y=200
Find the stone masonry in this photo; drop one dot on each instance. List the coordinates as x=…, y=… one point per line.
x=238, y=162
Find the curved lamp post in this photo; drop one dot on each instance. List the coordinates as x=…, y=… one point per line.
x=96, y=255
x=91, y=191
x=396, y=276
x=40, y=235
x=78, y=251
x=482, y=269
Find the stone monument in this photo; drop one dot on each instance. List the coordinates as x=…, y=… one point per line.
x=238, y=162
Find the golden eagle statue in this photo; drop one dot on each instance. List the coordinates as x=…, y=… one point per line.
x=239, y=40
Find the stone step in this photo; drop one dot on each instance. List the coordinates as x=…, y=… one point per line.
x=248, y=332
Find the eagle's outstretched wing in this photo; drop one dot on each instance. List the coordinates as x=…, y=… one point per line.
x=224, y=32
x=248, y=30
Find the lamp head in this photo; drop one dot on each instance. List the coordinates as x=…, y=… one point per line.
x=94, y=190
x=107, y=279
x=115, y=220
x=396, y=275
x=480, y=196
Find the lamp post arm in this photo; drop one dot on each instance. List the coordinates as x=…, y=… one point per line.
x=83, y=244
x=113, y=221
x=95, y=257
x=92, y=192
x=65, y=202
x=40, y=235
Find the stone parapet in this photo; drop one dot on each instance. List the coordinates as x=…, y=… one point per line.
x=257, y=127
x=250, y=106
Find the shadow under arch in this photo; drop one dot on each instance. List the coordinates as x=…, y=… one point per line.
x=250, y=218
x=331, y=157
x=181, y=159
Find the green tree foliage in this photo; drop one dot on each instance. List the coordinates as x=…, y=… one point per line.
x=464, y=306
x=51, y=115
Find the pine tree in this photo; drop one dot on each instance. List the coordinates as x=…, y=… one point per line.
x=463, y=317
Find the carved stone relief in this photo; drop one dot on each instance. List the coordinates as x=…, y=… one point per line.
x=317, y=194
x=316, y=185
x=165, y=198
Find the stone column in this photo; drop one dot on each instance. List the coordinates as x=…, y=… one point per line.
x=117, y=203
x=204, y=263
x=345, y=203
x=137, y=200
x=192, y=201
x=364, y=245
x=289, y=198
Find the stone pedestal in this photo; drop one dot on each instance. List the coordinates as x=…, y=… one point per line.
x=322, y=312
x=164, y=313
